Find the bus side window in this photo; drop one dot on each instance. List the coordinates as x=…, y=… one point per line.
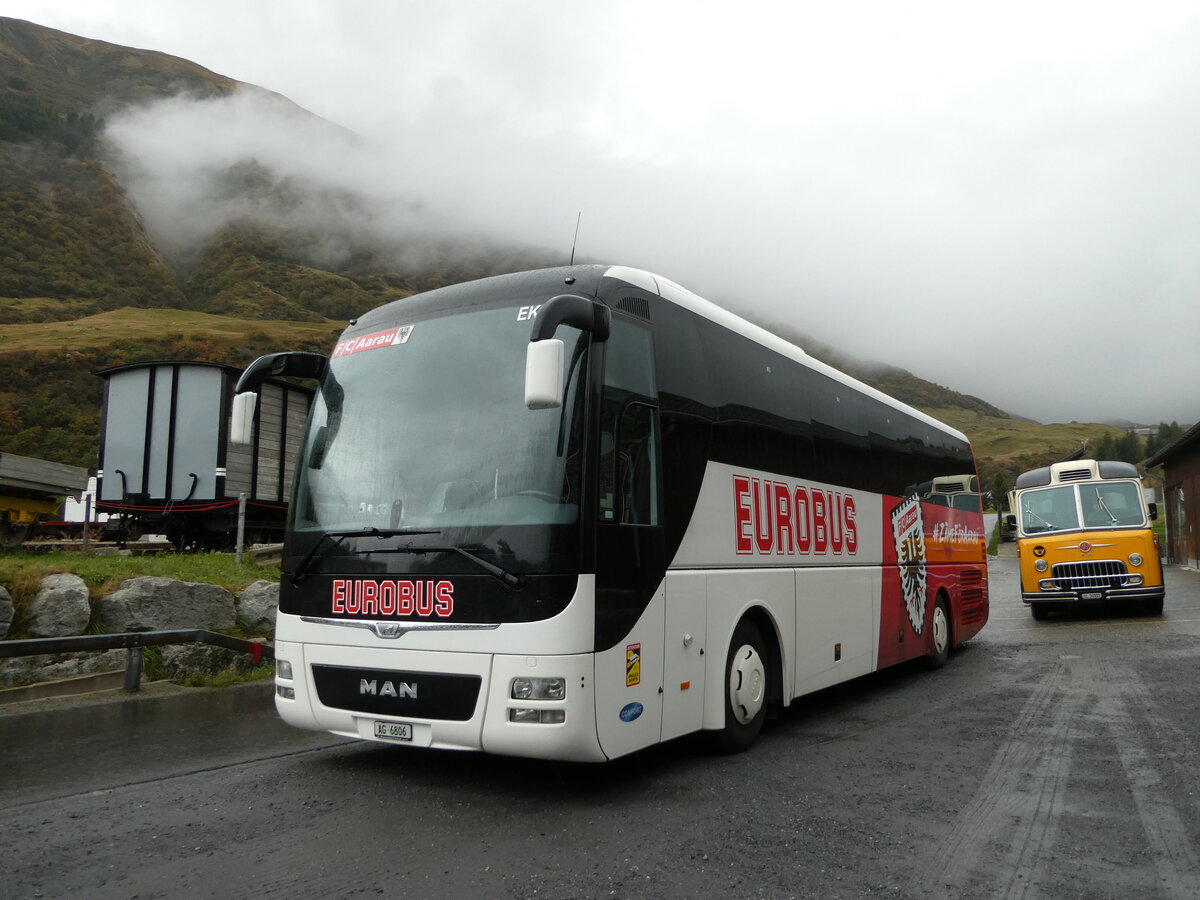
x=628, y=476
x=637, y=465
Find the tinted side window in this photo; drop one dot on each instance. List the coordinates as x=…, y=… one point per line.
x=629, y=449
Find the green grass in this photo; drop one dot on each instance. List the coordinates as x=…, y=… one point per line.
x=228, y=677
x=993, y=547
x=21, y=573
x=132, y=324
x=97, y=571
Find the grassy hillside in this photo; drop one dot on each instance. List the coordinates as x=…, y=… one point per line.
x=1006, y=446
x=126, y=332
x=50, y=399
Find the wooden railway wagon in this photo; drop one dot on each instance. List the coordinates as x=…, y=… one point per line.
x=167, y=465
x=31, y=490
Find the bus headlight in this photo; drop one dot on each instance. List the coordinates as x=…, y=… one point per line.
x=539, y=689
x=1040, y=565
x=283, y=669
x=1135, y=559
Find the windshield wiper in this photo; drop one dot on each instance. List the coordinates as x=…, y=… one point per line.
x=508, y=579
x=338, y=536
x=1104, y=506
x=1030, y=513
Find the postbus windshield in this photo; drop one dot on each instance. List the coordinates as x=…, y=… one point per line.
x=424, y=426
x=1069, y=507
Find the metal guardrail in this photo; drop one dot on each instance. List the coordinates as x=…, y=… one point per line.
x=133, y=642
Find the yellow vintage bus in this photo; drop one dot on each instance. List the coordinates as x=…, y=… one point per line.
x=1084, y=537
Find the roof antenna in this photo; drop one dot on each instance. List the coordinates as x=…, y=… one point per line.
x=576, y=238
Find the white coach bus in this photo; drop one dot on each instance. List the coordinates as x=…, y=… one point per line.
x=575, y=512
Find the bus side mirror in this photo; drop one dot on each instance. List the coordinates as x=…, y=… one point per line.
x=1010, y=520
x=544, y=374
x=241, y=423
x=1153, y=511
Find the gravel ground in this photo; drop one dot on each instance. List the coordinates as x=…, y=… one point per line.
x=1052, y=758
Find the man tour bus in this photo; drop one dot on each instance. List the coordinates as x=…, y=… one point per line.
x=1084, y=537
x=575, y=512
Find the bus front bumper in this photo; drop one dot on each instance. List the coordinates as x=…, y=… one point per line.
x=1085, y=597
x=362, y=693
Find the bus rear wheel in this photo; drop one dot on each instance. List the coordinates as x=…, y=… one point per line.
x=939, y=639
x=746, y=681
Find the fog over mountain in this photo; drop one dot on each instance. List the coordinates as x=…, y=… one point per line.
x=1008, y=205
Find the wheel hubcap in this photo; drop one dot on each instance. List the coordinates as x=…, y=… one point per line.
x=747, y=684
x=941, y=631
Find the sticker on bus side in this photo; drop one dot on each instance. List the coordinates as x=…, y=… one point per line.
x=390, y=338
x=633, y=665
x=908, y=530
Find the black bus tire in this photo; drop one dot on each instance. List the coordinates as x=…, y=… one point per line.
x=939, y=636
x=746, y=682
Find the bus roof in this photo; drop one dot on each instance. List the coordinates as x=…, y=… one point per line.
x=681, y=296
x=586, y=279
x=1075, y=470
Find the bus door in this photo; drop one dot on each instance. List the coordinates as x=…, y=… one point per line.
x=630, y=551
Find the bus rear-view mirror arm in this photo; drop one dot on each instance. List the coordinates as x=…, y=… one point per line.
x=544, y=356
x=273, y=365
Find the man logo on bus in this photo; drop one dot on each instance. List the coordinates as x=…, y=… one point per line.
x=908, y=529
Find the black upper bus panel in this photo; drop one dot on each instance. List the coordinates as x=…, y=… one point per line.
x=497, y=291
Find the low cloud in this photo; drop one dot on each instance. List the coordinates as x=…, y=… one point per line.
x=1027, y=233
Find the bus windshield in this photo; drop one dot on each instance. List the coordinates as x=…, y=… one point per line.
x=1093, y=505
x=428, y=429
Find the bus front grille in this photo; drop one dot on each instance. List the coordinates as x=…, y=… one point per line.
x=1089, y=576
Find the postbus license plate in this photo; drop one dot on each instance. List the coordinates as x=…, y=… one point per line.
x=1092, y=595
x=393, y=731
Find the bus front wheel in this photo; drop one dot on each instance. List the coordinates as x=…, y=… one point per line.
x=746, y=680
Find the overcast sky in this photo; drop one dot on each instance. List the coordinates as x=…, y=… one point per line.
x=1001, y=198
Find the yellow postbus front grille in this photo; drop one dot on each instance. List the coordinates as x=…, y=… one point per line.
x=1084, y=576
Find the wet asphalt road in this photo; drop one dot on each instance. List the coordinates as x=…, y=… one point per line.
x=1048, y=759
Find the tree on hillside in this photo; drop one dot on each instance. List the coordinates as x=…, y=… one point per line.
x=1126, y=447
x=999, y=491
x=1130, y=448
x=1167, y=435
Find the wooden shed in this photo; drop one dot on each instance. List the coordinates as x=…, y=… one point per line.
x=167, y=464
x=1180, y=463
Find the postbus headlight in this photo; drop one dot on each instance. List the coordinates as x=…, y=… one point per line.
x=1135, y=559
x=1040, y=565
x=539, y=689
